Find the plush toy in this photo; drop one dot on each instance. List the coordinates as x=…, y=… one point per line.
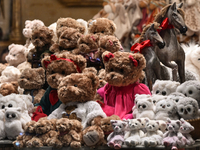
x=153, y=136
x=29, y=26
x=2, y=67
x=162, y=125
x=176, y=96
x=13, y=124
x=9, y=74
x=185, y=129
x=134, y=133
x=166, y=109
x=123, y=71
x=32, y=81
x=2, y=130
x=80, y=105
x=16, y=55
x=156, y=98
x=83, y=23
x=101, y=26
x=101, y=75
x=188, y=108
x=42, y=40
x=144, y=107
x=190, y=89
x=164, y=87
x=53, y=27
x=8, y=88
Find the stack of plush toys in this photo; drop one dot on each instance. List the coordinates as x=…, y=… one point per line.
x=73, y=85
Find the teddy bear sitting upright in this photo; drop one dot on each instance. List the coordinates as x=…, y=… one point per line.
x=123, y=71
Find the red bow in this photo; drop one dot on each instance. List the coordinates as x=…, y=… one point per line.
x=107, y=57
x=139, y=46
x=165, y=25
x=135, y=63
x=53, y=57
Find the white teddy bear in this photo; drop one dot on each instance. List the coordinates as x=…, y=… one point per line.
x=2, y=124
x=13, y=125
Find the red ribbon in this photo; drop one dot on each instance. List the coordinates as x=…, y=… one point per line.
x=53, y=57
x=165, y=25
x=137, y=47
x=135, y=63
x=53, y=97
x=107, y=57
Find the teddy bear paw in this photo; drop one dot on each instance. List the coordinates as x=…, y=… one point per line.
x=111, y=144
x=146, y=143
x=91, y=138
x=117, y=146
x=133, y=143
x=127, y=143
x=18, y=144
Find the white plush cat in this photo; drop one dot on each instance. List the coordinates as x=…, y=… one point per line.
x=13, y=125
x=153, y=136
x=134, y=133
x=144, y=106
x=2, y=125
x=166, y=109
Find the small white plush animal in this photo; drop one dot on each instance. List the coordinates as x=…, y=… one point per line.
x=164, y=87
x=188, y=108
x=162, y=125
x=176, y=96
x=13, y=125
x=153, y=136
x=134, y=133
x=144, y=106
x=166, y=109
x=2, y=124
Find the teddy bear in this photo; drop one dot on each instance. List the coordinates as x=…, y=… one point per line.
x=29, y=133
x=101, y=75
x=123, y=71
x=101, y=26
x=188, y=108
x=153, y=136
x=134, y=132
x=32, y=80
x=2, y=130
x=162, y=125
x=81, y=105
x=164, y=87
x=13, y=124
x=190, y=88
x=29, y=26
x=42, y=40
x=57, y=67
x=16, y=54
x=8, y=88
x=144, y=107
x=116, y=138
x=9, y=74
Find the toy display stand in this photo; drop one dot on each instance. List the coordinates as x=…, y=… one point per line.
x=7, y=145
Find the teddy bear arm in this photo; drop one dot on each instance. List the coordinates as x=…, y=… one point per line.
x=127, y=134
x=38, y=96
x=166, y=134
x=110, y=136
x=179, y=135
x=67, y=138
x=75, y=135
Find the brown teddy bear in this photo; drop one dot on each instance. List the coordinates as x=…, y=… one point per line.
x=78, y=90
x=8, y=88
x=57, y=67
x=42, y=40
x=123, y=71
x=32, y=81
x=67, y=41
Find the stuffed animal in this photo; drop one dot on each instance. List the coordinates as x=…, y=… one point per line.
x=80, y=105
x=134, y=133
x=190, y=89
x=164, y=87
x=188, y=108
x=2, y=124
x=16, y=55
x=13, y=124
x=162, y=125
x=8, y=88
x=32, y=80
x=116, y=138
x=57, y=67
x=144, y=107
x=185, y=129
x=42, y=40
x=2, y=67
x=29, y=26
x=156, y=98
x=166, y=109
x=101, y=75
x=9, y=74
x=153, y=136
x=123, y=71
x=176, y=96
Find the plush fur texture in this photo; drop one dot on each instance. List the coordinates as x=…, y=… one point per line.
x=176, y=96
x=190, y=89
x=2, y=130
x=102, y=75
x=8, y=88
x=13, y=124
x=164, y=87
x=32, y=81
x=16, y=54
x=2, y=67
x=120, y=69
x=156, y=98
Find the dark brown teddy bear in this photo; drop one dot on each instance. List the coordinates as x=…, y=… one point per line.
x=42, y=40
x=9, y=88
x=32, y=81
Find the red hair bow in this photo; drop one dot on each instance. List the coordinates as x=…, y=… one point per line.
x=135, y=63
x=107, y=57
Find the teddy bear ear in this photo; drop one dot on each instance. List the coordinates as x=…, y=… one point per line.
x=41, y=71
x=157, y=122
x=19, y=109
x=178, y=122
x=45, y=61
x=90, y=69
x=11, y=46
x=27, y=22
x=138, y=60
x=113, y=26
x=168, y=120
x=80, y=61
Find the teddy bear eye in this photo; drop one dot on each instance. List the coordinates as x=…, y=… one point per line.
x=144, y=106
x=61, y=25
x=181, y=109
x=14, y=55
x=75, y=85
x=3, y=106
x=95, y=32
x=13, y=115
x=41, y=38
x=189, y=109
x=157, y=91
x=168, y=105
x=177, y=100
x=153, y=126
x=63, y=72
x=190, y=92
x=111, y=69
x=10, y=105
x=102, y=31
x=52, y=72
x=35, y=37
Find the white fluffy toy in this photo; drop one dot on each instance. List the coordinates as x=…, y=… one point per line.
x=2, y=124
